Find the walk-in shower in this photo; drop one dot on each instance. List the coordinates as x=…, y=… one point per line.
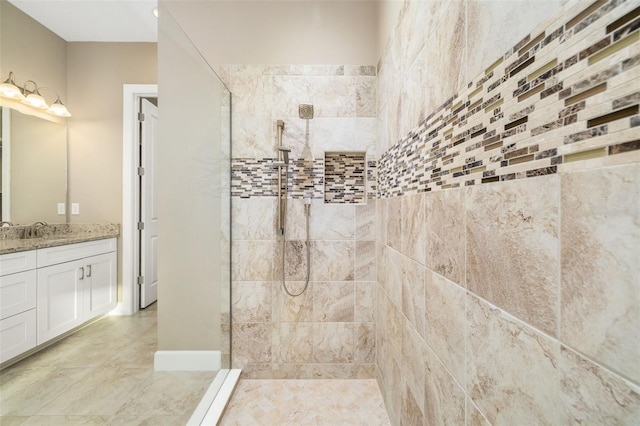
x=305, y=111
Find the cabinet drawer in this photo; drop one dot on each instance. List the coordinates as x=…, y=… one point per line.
x=17, y=334
x=54, y=255
x=11, y=263
x=17, y=293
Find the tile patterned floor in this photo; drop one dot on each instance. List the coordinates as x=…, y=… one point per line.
x=102, y=374
x=306, y=402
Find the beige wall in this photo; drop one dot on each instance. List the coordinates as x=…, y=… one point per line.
x=31, y=51
x=280, y=32
x=96, y=73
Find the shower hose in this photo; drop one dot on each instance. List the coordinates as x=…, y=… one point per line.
x=284, y=244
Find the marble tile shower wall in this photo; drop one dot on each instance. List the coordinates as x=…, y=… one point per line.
x=508, y=223
x=328, y=332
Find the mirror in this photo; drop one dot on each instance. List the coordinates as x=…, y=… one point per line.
x=34, y=168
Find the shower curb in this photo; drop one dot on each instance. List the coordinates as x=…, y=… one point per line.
x=213, y=403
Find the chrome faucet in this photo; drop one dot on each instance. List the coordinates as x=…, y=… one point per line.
x=5, y=223
x=35, y=230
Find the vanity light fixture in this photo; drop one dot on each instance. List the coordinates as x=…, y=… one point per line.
x=9, y=89
x=58, y=108
x=33, y=98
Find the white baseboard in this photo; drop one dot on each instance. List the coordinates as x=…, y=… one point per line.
x=121, y=309
x=187, y=360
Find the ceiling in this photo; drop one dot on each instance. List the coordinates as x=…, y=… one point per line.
x=95, y=20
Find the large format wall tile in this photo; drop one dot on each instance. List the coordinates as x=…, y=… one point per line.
x=450, y=68
x=381, y=220
x=394, y=278
x=333, y=260
x=512, y=248
x=291, y=343
x=253, y=94
x=253, y=137
x=251, y=301
x=413, y=300
x=592, y=395
x=332, y=221
x=365, y=261
x=474, y=416
x=394, y=223
x=600, y=309
x=445, y=322
x=253, y=260
x=292, y=309
x=413, y=231
x=445, y=234
x=488, y=42
x=251, y=343
x=333, y=301
x=334, y=342
x=444, y=399
x=365, y=304
x=366, y=221
x=253, y=219
x=413, y=364
x=511, y=369
x=365, y=342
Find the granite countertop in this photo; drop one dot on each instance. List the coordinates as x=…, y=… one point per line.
x=53, y=235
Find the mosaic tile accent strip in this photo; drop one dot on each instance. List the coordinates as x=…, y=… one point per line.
x=567, y=94
x=345, y=178
x=259, y=178
x=372, y=178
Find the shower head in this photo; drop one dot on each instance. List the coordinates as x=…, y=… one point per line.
x=305, y=111
x=285, y=153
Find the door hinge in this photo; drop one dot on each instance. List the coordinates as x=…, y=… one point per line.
x=140, y=280
x=140, y=226
x=140, y=171
x=140, y=116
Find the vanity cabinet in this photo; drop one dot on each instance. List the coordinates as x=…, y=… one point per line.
x=47, y=292
x=77, y=284
x=17, y=303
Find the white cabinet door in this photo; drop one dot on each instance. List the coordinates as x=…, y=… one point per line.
x=17, y=293
x=17, y=334
x=100, y=286
x=60, y=299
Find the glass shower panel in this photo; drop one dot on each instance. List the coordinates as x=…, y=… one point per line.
x=194, y=197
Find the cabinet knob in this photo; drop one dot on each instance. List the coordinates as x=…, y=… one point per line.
x=81, y=273
x=88, y=271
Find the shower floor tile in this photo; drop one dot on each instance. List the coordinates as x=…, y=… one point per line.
x=306, y=402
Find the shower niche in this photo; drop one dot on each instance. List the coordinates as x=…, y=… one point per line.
x=345, y=178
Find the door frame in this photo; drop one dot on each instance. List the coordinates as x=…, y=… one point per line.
x=131, y=95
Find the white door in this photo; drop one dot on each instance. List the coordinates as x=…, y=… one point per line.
x=148, y=205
